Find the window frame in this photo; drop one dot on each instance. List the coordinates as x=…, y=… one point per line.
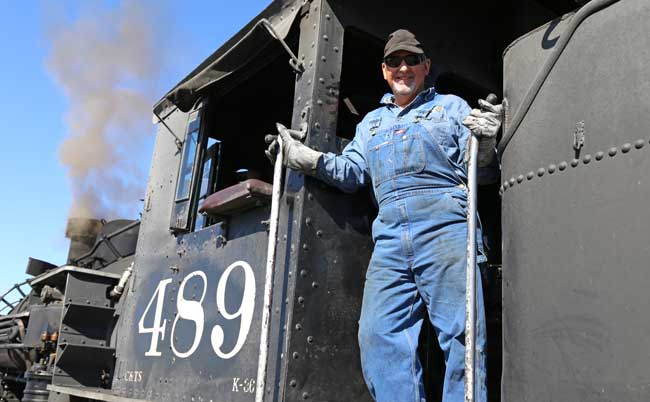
x=184, y=209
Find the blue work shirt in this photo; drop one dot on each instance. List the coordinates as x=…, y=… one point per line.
x=399, y=150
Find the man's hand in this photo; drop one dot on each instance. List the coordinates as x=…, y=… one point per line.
x=296, y=155
x=486, y=121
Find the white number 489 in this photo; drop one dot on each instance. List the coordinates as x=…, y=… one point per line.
x=192, y=310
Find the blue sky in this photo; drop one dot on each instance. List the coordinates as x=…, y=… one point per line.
x=36, y=194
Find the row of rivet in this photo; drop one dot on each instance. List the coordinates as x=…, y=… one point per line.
x=627, y=147
x=293, y=383
x=301, y=300
x=321, y=80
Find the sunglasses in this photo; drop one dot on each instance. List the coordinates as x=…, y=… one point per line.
x=411, y=60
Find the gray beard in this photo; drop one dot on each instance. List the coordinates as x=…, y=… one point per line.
x=404, y=91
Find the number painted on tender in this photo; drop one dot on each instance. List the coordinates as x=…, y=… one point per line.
x=245, y=310
x=193, y=311
x=157, y=331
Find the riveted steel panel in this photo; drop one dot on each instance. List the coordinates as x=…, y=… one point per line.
x=200, y=260
x=576, y=229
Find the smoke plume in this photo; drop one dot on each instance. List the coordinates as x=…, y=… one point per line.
x=106, y=63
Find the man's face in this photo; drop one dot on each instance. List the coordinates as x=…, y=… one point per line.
x=405, y=81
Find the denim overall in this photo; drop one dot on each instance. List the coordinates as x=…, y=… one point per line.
x=420, y=234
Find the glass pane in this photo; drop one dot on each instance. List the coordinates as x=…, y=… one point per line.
x=205, y=178
x=185, y=176
x=201, y=220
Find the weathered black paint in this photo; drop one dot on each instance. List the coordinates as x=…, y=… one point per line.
x=576, y=235
x=575, y=231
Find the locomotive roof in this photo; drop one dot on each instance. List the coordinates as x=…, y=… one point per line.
x=249, y=44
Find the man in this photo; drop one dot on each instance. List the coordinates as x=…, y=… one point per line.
x=411, y=151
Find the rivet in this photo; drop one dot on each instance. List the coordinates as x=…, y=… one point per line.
x=321, y=80
x=310, y=197
x=305, y=395
x=308, y=82
x=520, y=178
x=325, y=37
x=530, y=175
x=403, y=137
x=562, y=165
x=305, y=246
x=301, y=300
x=328, y=137
x=540, y=172
x=639, y=144
x=295, y=355
x=298, y=327
x=586, y=159
x=551, y=169
x=303, y=273
x=336, y=49
x=511, y=181
x=626, y=148
x=319, y=102
x=612, y=151
x=319, y=233
x=506, y=185
x=293, y=383
x=501, y=190
x=317, y=125
x=314, y=26
x=313, y=44
x=574, y=163
x=314, y=284
x=310, y=339
x=327, y=16
x=599, y=155
x=308, y=221
x=323, y=58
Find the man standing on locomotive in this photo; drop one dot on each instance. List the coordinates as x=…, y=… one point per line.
x=411, y=151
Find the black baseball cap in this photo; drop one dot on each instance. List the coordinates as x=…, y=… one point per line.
x=402, y=40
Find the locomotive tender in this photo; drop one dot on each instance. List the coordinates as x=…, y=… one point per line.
x=170, y=308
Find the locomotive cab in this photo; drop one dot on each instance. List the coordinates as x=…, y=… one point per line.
x=304, y=64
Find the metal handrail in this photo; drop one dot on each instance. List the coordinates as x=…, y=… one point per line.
x=9, y=305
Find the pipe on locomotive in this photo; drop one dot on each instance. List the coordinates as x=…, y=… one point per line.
x=582, y=14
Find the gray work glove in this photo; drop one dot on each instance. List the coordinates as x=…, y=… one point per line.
x=296, y=155
x=485, y=123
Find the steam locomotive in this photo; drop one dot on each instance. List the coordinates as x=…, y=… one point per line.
x=170, y=308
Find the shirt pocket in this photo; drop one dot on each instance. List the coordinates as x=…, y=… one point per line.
x=440, y=131
x=438, y=125
x=402, y=155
